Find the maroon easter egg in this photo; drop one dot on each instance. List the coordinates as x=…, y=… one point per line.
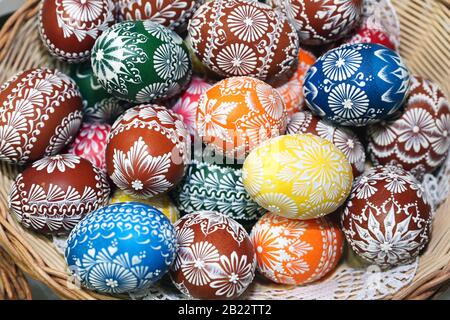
x=40, y=113
x=69, y=28
x=343, y=138
x=54, y=193
x=90, y=143
x=186, y=105
x=320, y=22
x=215, y=260
x=387, y=218
x=419, y=140
x=147, y=151
x=173, y=14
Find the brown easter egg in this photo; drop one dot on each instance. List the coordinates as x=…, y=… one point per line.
x=387, y=218
x=55, y=193
x=419, y=140
x=40, y=113
x=69, y=28
x=216, y=259
x=244, y=38
x=147, y=151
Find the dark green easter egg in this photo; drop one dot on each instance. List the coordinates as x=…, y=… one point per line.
x=141, y=61
x=216, y=188
x=98, y=104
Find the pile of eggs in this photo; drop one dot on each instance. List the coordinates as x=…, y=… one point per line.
x=255, y=168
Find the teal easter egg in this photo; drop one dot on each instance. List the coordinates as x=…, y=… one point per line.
x=98, y=104
x=213, y=187
x=141, y=61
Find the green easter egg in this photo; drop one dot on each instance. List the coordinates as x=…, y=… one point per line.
x=141, y=61
x=216, y=188
x=98, y=104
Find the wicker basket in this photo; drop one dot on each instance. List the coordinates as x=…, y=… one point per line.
x=425, y=46
x=13, y=284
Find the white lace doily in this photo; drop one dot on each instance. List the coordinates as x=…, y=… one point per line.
x=346, y=282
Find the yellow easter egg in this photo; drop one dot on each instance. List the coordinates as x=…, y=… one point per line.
x=299, y=176
x=162, y=203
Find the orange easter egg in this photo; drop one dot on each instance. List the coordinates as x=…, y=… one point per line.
x=296, y=252
x=237, y=114
x=292, y=91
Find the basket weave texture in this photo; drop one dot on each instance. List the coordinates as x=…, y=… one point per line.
x=13, y=284
x=425, y=46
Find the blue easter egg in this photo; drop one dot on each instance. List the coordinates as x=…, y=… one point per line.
x=121, y=248
x=357, y=84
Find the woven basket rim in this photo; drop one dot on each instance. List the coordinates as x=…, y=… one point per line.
x=15, y=240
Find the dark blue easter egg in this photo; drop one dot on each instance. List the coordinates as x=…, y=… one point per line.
x=121, y=248
x=357, y=84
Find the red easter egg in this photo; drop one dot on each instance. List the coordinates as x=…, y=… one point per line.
x=343, y=138
x=215, y=257
x=90, y=143
x=69, y=28
x=420, y=138
x=40, y=113
x=147, y=151
x=55, y=193
x=186, y=105
x=365, y=34
x=387, y=218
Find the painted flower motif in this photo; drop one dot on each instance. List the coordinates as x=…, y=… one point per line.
x=348, y=143
x=157, y=30
x=270, y=100
x=416, y=128
x=233, y=276
x=163, y=61
x=387, y=242
x=365, y=187
x=111, y=278
x=442, y=142
x=266, y=246
x=130, y=167
x=83, y=10
x=200, y=263
x=348, y=101
x=278, y=203
x=151, y=92
x=247, y=23
x=187, y=109
x=383, y=134
x=115, y=56
x=181, y=63
x=60, y=162
x=237, y=59
x=212, y=119
x=340, y=64
x=198, y=86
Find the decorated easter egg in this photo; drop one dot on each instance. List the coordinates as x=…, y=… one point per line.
x=357, y=84
x=90, y=143
x=238, y=113
x=55, y=193
x=212, y=187
x=162, y=203
x=345, y=139
x=187, y=104
x=320, y=22
x=69, y=28
x=243, y=38
x=365, y=34
x=215, y=257
x=147, y=151
x=419, y=140
x=387, y=219
x=121, y=248
x=40, y=113
x=300, y=176
x=292, y=90
x=173, y=14
x=98, y=104
x=141, y=61
x=296, y=252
